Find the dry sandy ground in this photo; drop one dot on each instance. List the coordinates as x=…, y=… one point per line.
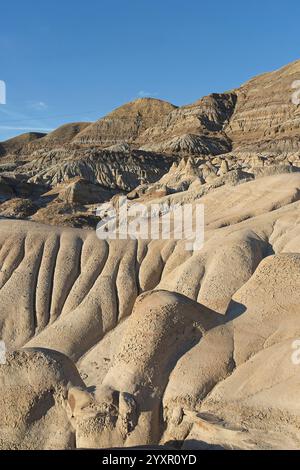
x=143, y=342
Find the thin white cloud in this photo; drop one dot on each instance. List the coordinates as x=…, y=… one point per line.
x=12, y=113
x=16, y=119
x=35, y=129
x=38, y=105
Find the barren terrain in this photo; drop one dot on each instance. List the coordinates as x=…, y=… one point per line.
x=115, y=343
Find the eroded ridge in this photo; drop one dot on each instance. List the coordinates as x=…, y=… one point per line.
x=171, y=345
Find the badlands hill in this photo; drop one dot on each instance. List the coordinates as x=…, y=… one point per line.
x=252, y=126
x=126, y=123
x=141, y=341
x=16, y=144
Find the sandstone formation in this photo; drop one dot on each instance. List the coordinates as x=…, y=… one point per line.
x=265, y=120
x=126, y=123
x=34, y=384
x=250, y=127
x=212, y=318
x=16, y=144
x=145, y=341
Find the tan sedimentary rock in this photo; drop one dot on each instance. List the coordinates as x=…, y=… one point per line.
x=214, y=319
x=34, y=389
x=125, y=123
x=142, y=341
x=265, y=119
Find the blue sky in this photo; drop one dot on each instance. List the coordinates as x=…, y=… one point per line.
x=73, y=60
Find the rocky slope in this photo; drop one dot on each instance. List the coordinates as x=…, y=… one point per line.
x=220, y=324
x=124, y=342
x=256, y=120
x=17, y=144
x=265, y=120
x=194, y=129
x=126, y=123
x=253, y=123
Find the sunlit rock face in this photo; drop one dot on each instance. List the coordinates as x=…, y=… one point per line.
x=128, y=342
